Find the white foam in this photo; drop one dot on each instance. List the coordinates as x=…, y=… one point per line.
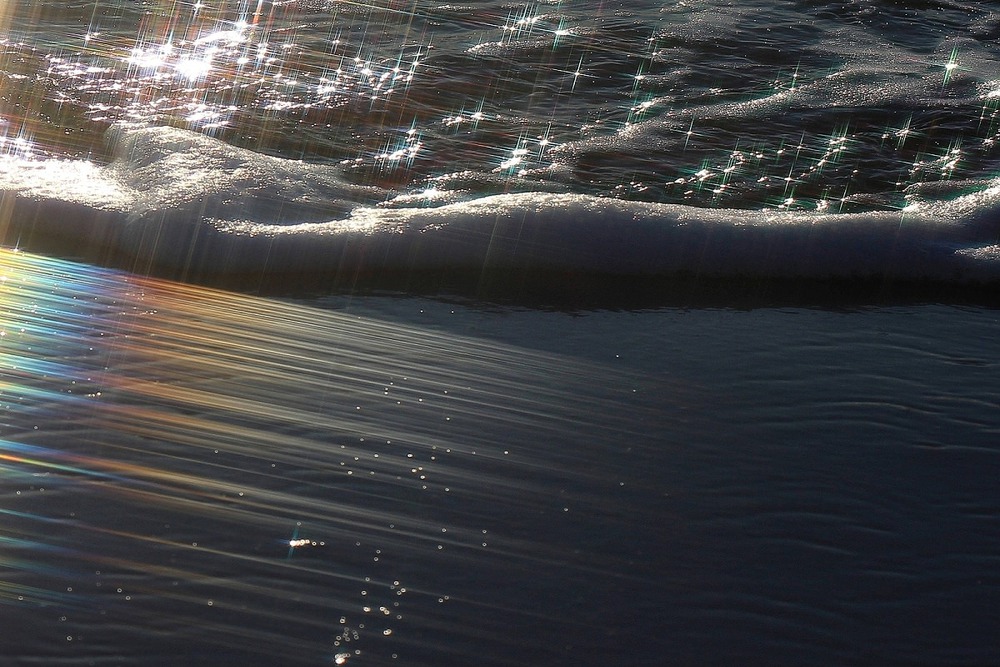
x=181, y=199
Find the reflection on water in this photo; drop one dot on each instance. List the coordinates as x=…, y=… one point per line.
x=187, y=472
x=638, y=102
x=190, y=476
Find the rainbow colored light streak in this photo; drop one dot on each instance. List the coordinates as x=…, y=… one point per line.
x=264, y=476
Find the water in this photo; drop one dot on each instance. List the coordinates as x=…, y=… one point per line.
x=608, y=333
x=768, y=139
x=205, y=478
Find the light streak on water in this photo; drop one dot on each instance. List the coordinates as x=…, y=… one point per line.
x=184, y=471
x=232, y=469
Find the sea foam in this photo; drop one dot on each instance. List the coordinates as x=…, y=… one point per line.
x=179, y=200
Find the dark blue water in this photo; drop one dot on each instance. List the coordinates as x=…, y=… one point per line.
x=195, y=477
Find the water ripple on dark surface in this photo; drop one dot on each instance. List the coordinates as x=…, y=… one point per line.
x=194, y=476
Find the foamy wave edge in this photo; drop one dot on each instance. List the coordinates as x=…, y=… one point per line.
x=181, y=201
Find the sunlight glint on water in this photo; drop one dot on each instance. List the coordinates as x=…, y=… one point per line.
x=499, y=99
x=194, y=477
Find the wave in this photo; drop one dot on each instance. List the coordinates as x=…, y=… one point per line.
x=179, y=202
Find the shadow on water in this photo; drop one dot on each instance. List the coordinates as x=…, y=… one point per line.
x=561, y=291
x=534, y=288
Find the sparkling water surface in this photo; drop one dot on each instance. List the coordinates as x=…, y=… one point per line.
x=196, y=477
x=760, y=139
x=802, y=105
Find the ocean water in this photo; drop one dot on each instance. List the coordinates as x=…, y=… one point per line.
x=755, y=139
x=558, y=333
x=205, y=478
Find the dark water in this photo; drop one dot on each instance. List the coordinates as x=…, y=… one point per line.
x=605, y=470
x=192, y=477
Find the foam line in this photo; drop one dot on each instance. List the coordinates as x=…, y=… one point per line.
x=183, y=201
